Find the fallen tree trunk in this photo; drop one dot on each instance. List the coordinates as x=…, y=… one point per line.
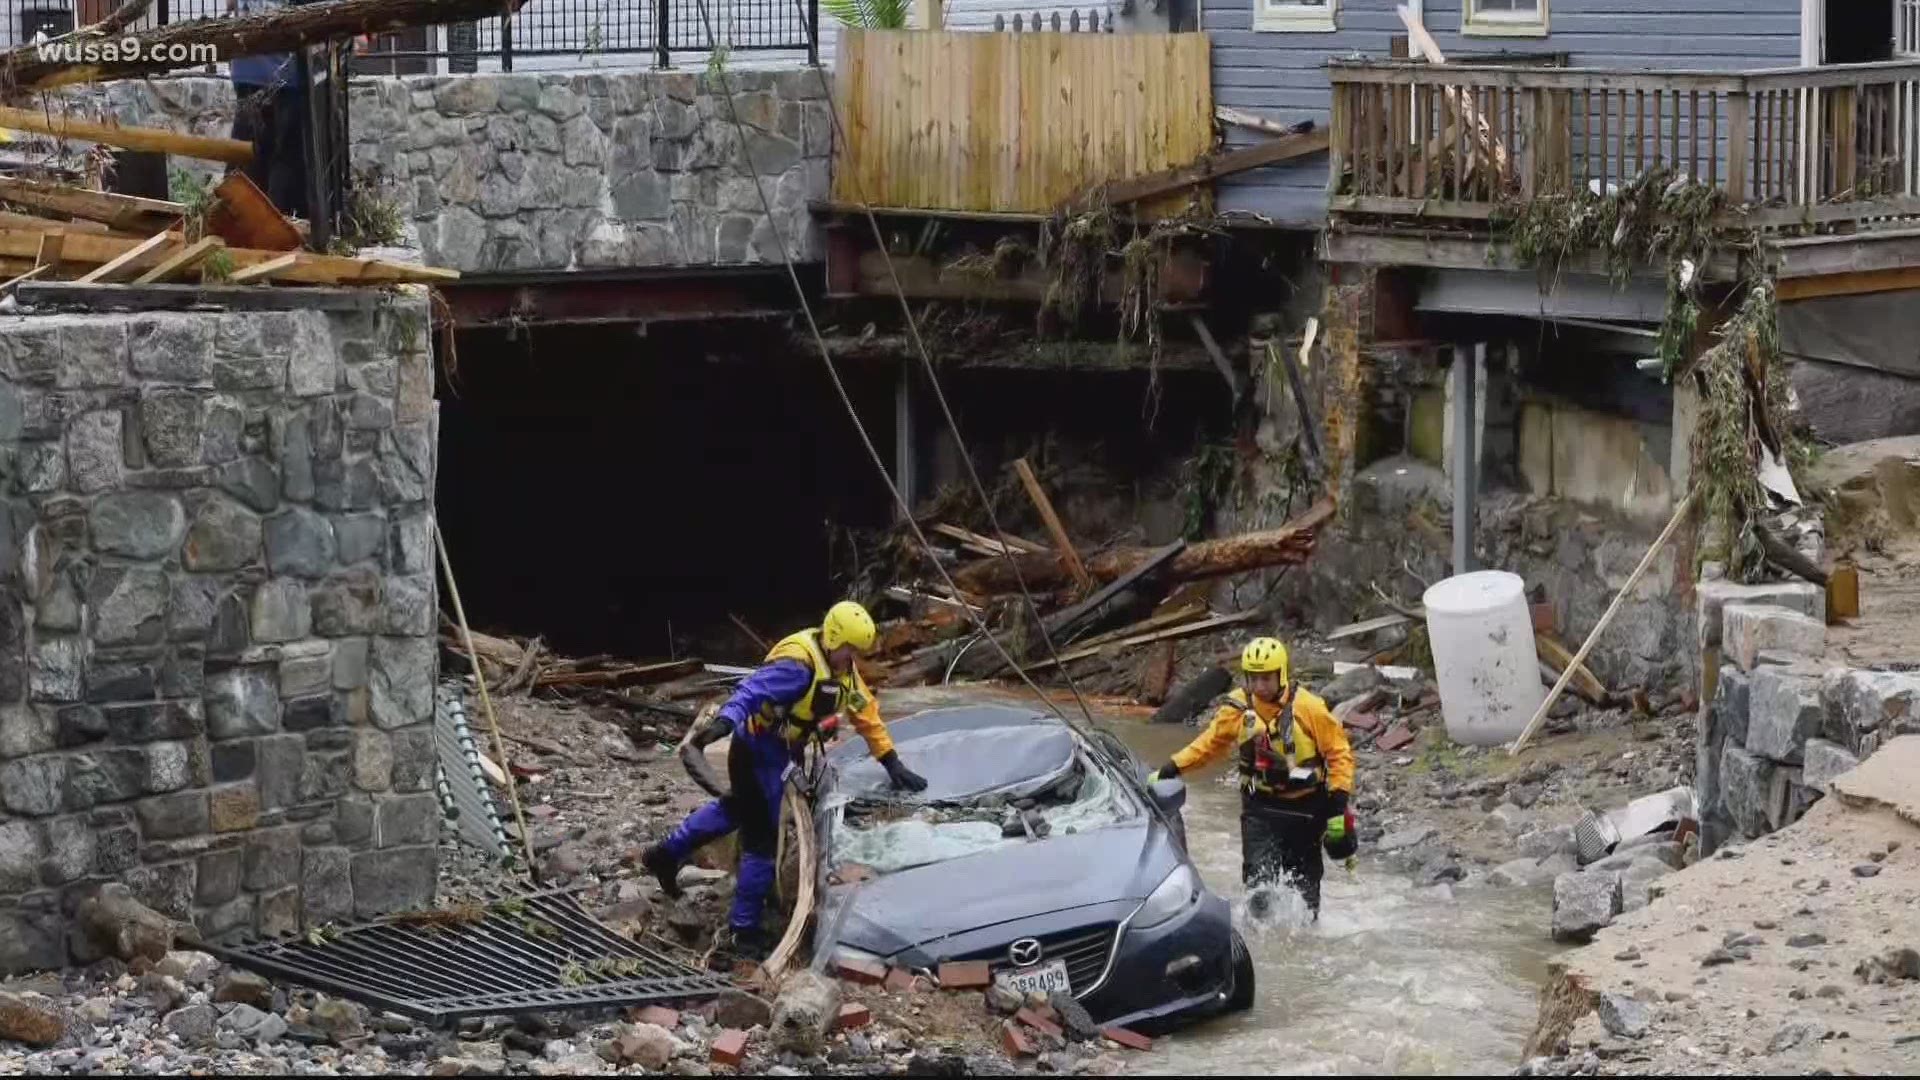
x=184, y=44
x=1289, y=544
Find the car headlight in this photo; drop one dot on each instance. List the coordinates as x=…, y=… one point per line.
x=1177, y=893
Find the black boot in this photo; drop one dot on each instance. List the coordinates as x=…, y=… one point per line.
x=664, y=868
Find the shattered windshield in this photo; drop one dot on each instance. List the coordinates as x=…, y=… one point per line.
x=1055, y=797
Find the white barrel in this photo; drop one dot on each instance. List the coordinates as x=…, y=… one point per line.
x=1483, y=656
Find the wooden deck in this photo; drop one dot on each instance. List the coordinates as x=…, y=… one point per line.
x=1789, y=147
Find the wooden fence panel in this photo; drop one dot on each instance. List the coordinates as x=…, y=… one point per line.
x=944, y=120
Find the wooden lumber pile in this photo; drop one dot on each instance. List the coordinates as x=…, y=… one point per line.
x=514, y=666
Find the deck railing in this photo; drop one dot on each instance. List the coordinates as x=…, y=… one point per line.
x=1793, y=145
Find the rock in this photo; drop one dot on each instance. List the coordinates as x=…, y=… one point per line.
x=191, y=968
x=1713, y=596
x=1822, y=761
x=253, y=1025
x=739, y=1009
x=804, y=1013
x=1583, y=903
x=1351, y=685
x=244, y=987
x=1002, y=1000
x=137, y=524
x=1623, y=1016
x=1790, y=1036
x=32, y=1019
x=1784, y=711
x=649, y=1046
x=1866, y=870
x=466, y=1066
x=1510, y=818
x=1527, y=872
x=192, y=1024
x=1806, y=941
x=1635, y=882
x=1404, y=838
x=112, y=923
x=165, y=992
x=1750, y=629
x=339, y=1019
x=1546, y=842
x=1746, y=789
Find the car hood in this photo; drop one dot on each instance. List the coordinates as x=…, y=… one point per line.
x=1124, y=861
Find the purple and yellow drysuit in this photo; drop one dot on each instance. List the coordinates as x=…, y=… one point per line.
x=772, y=716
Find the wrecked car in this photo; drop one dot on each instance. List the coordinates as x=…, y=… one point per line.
x=1044, y=853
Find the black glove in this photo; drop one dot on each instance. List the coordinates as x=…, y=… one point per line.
x=1336, y=804
x=1165, y=772
x=903, y=778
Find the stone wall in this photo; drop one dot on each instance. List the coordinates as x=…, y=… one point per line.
x=1781, y=723
x=532, y=172
x=216, y=650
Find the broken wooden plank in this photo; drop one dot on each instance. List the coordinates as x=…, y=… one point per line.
x=263, y=271
x=973, y=541
x=1558, y=656
x=308, y=268
x=1218, y=356
x=13, y=219
x=182, y=261
x=622, y=676
x=1218, y=622
x=1397, y=673
x=128, y=213
x=1055, y=530
x=1214, y=165
x=1253, y=121
x=1368, y=626
x=182, y=297
x=47, y=251
x=1297, y=382
x=123, y=264
x=1179, y=616
x=245, y=217
x=1021, y=543
x=16, y=281
x=1066, y=621
x=155, y=140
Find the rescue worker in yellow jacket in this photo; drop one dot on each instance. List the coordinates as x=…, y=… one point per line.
x=1296, y=773
x=795, y=698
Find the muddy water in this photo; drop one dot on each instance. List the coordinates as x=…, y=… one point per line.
x=1393, y=979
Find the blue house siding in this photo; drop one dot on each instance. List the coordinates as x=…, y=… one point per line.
x=1283, y=75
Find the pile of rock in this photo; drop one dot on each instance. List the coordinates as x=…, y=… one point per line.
x=1780, y=723
x=1589, y=897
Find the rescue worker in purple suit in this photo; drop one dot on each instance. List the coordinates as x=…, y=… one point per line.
x=808, y=679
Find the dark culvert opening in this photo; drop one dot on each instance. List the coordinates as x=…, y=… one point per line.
x=615, y=493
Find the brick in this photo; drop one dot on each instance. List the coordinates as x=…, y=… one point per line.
x=967, y=975
x=1015, y=1041
x=1032, y=1018
x=899, y=979
x=852, y=1015
x=658, y=1015
x=1132, y=1040
x=861, y=971
x=729, y=1048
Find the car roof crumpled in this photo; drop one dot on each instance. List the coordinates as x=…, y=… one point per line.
x=1013, y=761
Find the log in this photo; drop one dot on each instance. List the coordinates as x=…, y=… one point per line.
x=1558, y=657
x=281, y=30
x=159, y=140
x=1287, y=545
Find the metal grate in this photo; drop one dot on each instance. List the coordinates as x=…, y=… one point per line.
x=537, y=952
x=465, y=796
x=1085, y=950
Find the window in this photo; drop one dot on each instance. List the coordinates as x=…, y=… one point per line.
x=1295, y=16
x=1504, y=18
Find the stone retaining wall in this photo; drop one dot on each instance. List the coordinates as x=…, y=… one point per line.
x=216, y=653
x=1781, y=723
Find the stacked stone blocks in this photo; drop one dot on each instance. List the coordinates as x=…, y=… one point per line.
x=217, y=659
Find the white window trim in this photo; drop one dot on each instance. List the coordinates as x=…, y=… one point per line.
x=1477, y=23
x=1279, y=16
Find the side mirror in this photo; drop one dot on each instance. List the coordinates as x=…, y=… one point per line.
x=1169, y=794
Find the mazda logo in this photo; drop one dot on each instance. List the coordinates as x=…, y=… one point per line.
x=1024, y=953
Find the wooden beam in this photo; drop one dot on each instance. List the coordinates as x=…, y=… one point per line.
x=187, y=296
x=126, y=212
x=1065, y=622
x=13, y=219
x=1052, y=521
x=1218, y=357
x=46, y=253
x=1218, y=622
x=263, y=271
x=1559, y=658
x=1855, y=283
x=1252, y=121
x=1215, y=165
x=1368, y=626
x=15, y=281
x=181, y=261
x=157, y=140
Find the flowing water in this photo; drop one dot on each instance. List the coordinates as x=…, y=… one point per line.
x=1394, y=978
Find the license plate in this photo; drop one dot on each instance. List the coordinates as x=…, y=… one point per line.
x=1041, y=978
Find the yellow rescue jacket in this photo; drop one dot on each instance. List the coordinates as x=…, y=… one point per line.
x=1319, y=742
x=797, y=721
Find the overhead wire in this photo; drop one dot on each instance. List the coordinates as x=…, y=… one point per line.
x=846, y=401
x=939, y=394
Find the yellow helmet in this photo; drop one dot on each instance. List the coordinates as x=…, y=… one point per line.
x=1265, y=654
x=847, y=623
